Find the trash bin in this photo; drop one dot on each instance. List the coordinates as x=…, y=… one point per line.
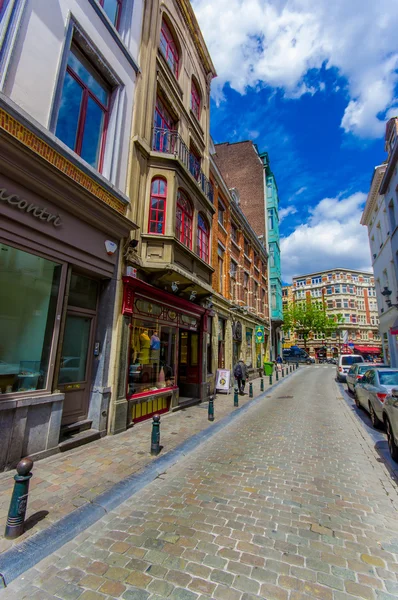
x=268, y=368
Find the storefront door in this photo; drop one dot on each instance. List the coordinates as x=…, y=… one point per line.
x=188, y=364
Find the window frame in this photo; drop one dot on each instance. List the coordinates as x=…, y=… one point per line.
x=158, y=196
x=196, y=99
x=203, y=238
x=118, y=12
x=221, y=211
x=171, y=46
x=186, y=221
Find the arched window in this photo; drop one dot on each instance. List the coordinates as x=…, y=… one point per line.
x=157, y=209
x=169, y=48
x=195, y=100
x=203, y=239
x=184, y=219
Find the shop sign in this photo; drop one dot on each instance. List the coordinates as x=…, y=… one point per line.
x=36, y=211
x=259, y=334
x=223, y=377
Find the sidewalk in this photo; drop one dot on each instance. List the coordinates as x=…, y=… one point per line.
x=64, y=482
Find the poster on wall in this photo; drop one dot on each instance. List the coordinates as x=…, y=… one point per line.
x=223, y=377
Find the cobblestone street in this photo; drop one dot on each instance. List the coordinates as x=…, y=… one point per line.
x=289, y=502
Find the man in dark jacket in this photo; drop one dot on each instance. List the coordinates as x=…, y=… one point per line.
x=241, y=373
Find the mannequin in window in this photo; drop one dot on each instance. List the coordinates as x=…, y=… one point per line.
x=155, y=347
x=145, y=345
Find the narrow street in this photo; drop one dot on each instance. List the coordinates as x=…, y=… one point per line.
x=290, y=501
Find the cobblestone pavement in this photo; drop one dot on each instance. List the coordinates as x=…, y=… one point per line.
x=63, y=482
x=289, y=502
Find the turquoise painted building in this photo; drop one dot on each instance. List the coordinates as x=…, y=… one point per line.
x=274, y=264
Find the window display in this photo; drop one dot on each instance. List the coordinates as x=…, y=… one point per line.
x=152, y=357
x=27, y=321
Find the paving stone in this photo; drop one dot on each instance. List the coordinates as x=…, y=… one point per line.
x=160, y=587
x=69, y=592
x=222, y=577
x=112, y=588
x=135, y=595
x=180, y=594
x=245, y=584
x=359, y=590
x=273, y=592
x=372, y=560
x=138, y=579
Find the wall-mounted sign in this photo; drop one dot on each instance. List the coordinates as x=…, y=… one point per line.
x=223, y=377
x=38, y=212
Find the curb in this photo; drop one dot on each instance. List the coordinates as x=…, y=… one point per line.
x=24, y=556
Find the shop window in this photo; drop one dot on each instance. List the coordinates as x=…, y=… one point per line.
x=169, y=48
x=184, y=220
x=27, y=322
x=113, y=10
x=84, y=109
x=195, y=100
x=157, y=209
x=152, y=357
x=203, y=239
x=249, y=349
x=164, y=129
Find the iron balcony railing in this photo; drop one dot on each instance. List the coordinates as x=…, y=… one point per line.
x=170, y=142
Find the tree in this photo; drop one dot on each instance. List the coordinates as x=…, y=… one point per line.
x=305, y=317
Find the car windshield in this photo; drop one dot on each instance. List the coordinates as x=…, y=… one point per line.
x=363, y=368
x=388, y=377
x=350, y=360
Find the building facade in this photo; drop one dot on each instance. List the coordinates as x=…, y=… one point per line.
x=289, y=337
x=380, y=216
x=67, y=79
x=351, y=294
x=240, y=321
x=245, y=169
x=163, y=320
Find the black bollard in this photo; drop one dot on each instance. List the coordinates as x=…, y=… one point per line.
x=296, y=365
x=276, y=374
x=236, y=397
x=210, y=414
x=283, y=372
x=250, y=390
x=155, y=439
x=270, y=379
x=261, y=384
x=19, y=500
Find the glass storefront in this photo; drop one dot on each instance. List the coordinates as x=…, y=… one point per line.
x=29, y=288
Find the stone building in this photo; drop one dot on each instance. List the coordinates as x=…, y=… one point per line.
x=164, y=319
x=351, y=294
x=289, y=337
x=247, y=170
x=67, y=79
x=240, y=312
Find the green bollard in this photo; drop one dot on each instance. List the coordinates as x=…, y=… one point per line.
x=250, y=390
x=155, y=439
x=210, y=414
x=270, y=379
x=19, y=500
x=261, y=384
x=236, y=397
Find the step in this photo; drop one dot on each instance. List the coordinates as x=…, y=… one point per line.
x=185, y=403
x=78, y=425
x=79, y=439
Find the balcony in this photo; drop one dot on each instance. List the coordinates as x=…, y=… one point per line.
x=170, y=142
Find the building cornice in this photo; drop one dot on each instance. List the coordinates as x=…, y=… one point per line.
x=373, y=193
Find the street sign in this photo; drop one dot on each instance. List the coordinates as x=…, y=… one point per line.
x=259, y=333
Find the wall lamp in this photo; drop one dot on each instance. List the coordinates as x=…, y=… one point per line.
x=387, y=293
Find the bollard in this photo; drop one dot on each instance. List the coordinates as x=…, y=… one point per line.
x=296, y=365
x=290, y=368
x=210, y=414
x=276, y=374
x=283, y=372
x=236, y=397
x=270, y=379
x=261, y=384
x=19, y=500
x=250, y=390
x=155, y=439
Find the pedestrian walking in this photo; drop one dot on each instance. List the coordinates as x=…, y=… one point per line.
x=241, y=373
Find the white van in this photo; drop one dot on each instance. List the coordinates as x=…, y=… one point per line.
x=344, y=363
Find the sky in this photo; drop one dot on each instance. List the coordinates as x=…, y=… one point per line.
x=312, y=82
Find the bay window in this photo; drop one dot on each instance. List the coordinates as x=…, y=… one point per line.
x=184, y=216
x=157, y=208
x=203, y=239
x=164, y=126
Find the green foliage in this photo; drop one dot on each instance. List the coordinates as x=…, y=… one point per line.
x=305, y=317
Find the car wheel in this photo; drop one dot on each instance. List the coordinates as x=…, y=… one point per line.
x=374, y=418
x=392, y=446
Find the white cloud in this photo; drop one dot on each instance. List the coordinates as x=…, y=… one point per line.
x=285, y=212
x=332, y=238
x=277, y=42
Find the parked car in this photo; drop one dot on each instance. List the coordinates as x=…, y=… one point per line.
x=371, y=392
x=296, y=354
x=390, y=418
x=356, y=373
x=344, y=363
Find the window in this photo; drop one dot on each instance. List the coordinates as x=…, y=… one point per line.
x=337, y=289
x=316, y=280
x=157, y=209
x=221, y=343
x=338, y=304
x=272, y=255
x=169, y=48
x=300, y=282
x=113, y=10
x=270, y=219
x=184, y=220
x=233, y=269
x=195, y=100
x=273, y=297
x=84, y=110
x=26, y=323
x=221, y=213
x=234, y=233
x=330, y=303
x=330, y=277
x=255, y=295
x=391, y=214
x=164, y=127
x=194, y=163
x=220, y=269
x=246, y=247
x=209, y=353
x=329, y=290
x=203, y=239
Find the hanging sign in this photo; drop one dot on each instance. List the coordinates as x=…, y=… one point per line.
x=259, y=334
x=223, y=377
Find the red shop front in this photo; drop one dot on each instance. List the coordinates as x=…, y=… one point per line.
x=165, y=350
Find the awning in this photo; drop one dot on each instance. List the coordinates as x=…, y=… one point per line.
x=394, y=328
x=368, y=349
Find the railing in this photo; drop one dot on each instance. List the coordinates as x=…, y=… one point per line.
x=170, y=142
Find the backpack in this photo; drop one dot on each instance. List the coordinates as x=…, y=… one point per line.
x=238, y=370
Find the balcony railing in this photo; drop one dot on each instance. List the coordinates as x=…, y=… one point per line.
x=170, y=142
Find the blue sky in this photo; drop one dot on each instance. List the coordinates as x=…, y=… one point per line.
x=316, y=97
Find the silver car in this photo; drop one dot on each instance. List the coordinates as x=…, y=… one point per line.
x=371, y=392
x=390, y=415
x=356, y=373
